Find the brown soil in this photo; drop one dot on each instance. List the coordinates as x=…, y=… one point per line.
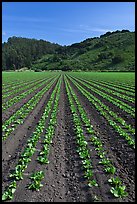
x=64, y=177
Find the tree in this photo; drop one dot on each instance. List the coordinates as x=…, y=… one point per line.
x=117, y=59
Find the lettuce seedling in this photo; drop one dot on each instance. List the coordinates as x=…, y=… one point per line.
x=104, y=161
x=119, y=191
x=86, y=164
x=88, y=174
x=92, y=183
x=8, y=195
x=36, y=178
x=43, y=160
x=101, y=154
x=115, y=181
x=111, y=169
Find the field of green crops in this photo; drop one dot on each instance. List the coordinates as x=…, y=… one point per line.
x=68, y=136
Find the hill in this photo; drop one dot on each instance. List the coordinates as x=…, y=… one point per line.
x=113, y=51
x=20, y=52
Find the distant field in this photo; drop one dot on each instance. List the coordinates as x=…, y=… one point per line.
x=75, y=131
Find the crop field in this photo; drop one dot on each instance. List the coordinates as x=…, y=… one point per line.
x=68, y=137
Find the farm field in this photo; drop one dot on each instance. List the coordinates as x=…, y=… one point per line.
x=68, y=137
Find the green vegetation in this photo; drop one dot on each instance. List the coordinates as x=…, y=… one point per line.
x=92, y=146
x=36, y=180
x=111, y=51
x=21, y=52
x=117, y=190
x=8, y=195
x=106, y=112
x=30, y=148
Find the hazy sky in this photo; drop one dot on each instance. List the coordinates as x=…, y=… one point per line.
x=65, y=22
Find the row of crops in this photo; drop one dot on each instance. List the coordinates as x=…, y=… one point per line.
x=94, y=99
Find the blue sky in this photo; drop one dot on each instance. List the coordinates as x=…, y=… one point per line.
x=65, y=22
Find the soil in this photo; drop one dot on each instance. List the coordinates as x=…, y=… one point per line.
x=64, y=177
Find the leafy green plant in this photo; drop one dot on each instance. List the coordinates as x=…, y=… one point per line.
x=102, y=154
x=115, y=181
x=18, y=172
x=110, y=169
x=88, y=174
x=92, y=183
x=43, y=160
x=8, y=195
x=104, y=161
x=119, y=191
x=36, y=178
x=86, y=163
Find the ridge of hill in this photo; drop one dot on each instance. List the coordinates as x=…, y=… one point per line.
x=113, y=51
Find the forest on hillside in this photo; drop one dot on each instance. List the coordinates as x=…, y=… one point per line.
x=113, y=51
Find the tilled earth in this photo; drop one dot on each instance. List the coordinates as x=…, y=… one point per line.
x=64, y=178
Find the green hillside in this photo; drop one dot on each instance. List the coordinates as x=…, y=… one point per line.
x=113, y=51
x=20, y=52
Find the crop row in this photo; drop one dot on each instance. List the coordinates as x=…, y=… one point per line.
x=108, y=114
x=82, y=148
x=16, y=99
x=108, y=90
x=121, y=87
x=22, y=87
x=118, y=190
x=10, y=84
x=30, y=148
x=7, y=87
x=50, y=131
x=114, y=115
x=111, y=99
x=114, y=87
x=18, y=117
x=119, y=80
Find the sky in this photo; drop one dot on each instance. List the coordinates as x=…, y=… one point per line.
x=65, y=23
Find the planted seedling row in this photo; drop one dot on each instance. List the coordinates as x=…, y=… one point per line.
x=7, y=86
x=16, y=99
x=114, y=87
x=118, y=190
x=82, y=147
x=22, y=87
x=98, y=105
x=120, y=86
x=108, y=90
x=18, y=118
x=114, y=115
x=37, y=177
x=29, y=150
x=113, y=100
